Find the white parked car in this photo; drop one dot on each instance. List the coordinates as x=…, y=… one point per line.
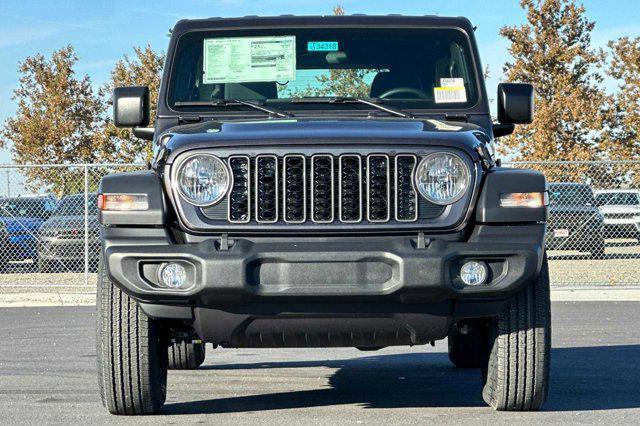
x=621, y=211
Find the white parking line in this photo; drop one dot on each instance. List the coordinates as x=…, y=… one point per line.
x=588, y=294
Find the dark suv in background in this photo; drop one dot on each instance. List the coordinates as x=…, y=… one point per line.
x=62, y=236
x=575, y=222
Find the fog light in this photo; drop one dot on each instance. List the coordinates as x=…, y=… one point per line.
x=474, y=273
x=172, y=275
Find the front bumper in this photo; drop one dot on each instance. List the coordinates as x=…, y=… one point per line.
x=348, y=269
x=20, y=247
x=620, y=228
x=68, y=249
x=347, y=291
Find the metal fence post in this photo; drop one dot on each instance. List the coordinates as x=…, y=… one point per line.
x=86, y=224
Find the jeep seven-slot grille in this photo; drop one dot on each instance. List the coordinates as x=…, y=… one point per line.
x=322, y=188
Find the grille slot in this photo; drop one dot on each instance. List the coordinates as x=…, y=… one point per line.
x=406, y=206
x=322, y=189
x=378, y=188
x=294, y=178
x=239, y=200
x=267, y=199
x=350, y=188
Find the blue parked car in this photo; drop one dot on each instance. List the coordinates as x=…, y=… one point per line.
x=21, y=218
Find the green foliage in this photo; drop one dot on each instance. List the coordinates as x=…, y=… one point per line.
x=144, y=69
x=58, y=119
x=552, y=50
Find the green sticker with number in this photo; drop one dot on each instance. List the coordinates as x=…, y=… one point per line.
x=322, y=46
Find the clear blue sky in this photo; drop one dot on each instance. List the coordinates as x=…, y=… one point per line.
x=102, y=31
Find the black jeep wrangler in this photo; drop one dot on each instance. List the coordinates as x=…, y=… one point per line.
x=317, y=182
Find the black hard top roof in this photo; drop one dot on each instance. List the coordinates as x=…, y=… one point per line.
x=186, y=25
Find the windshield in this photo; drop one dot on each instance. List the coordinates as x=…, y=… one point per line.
x=573, y=195
x=27, y=207
x=618, y=199
x=74, y=205
x=416, y=68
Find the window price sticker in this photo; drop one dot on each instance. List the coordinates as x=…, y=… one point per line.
x=451, y=90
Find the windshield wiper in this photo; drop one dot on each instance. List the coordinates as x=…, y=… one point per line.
x=375, y=102
x=273, y=112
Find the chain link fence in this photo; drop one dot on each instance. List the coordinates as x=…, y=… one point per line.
x=593, y=231
x=49, y=232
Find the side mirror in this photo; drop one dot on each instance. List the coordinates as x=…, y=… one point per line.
x=131, y=106
x=515, y=103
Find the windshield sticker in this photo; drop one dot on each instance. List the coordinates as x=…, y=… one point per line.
x=450, y=90
x=249, y=59
x=322, y=46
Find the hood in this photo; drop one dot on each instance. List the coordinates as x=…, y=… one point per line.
x=21, y=224
x=323, y=131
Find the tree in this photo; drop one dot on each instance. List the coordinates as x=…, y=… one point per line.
x=57, y=121
x=553, y=51
x=622, y=140
x=624, y=122
x=143, y=70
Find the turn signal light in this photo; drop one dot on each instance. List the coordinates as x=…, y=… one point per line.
x=524, y=199
x=123, y=202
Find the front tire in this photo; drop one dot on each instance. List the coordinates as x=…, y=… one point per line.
x=131, y=353
x=517, y=372
x=186, y=355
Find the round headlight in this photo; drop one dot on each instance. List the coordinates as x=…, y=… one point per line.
x=442, y=178
x=203, y=179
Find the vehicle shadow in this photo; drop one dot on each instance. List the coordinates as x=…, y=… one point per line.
x=583, y=378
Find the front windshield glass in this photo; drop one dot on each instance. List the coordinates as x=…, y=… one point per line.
x=74, y=205
x=618, y=199
x=570, y=195
x=417, y=68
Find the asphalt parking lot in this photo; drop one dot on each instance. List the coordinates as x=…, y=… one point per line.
x=47, y=374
